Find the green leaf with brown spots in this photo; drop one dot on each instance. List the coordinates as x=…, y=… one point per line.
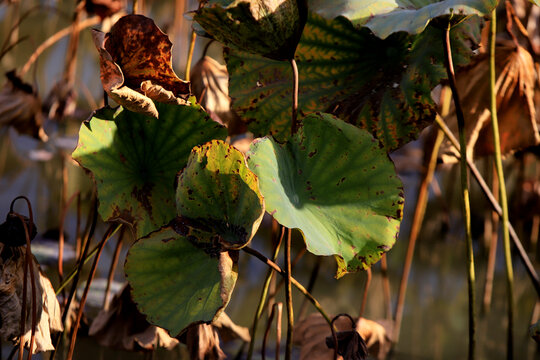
x=383, y=86
x=175, y=283
x=218, y=193
x=334, y=183
x=270, y=28
x=134, y=159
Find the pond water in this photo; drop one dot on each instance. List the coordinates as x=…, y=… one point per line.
x=435, y=315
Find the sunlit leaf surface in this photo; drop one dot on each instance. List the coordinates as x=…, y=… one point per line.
x=334, y=183
x=134, y=159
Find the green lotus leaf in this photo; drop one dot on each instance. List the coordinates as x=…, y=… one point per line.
x=388, y=17
x=334, y=183
x=134, y=159
x=270, y=28
x=217, y=192
x=175, y=283
x=383, y=86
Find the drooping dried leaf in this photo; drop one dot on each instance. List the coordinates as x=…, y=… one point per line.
x=228, y=330
x=123, y=327
x=50, y=320
x=133, y=52
x=202, y=341
x=11, y=294
x=377, y=336
x=311, y=333
x=270, y=28
x=516, y=88
x=20, y=107
x=210, y=83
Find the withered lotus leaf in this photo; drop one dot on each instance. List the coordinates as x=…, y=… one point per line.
x=516, y=88
x=11, y=299
x=123, y=327
x=135, y=65
x=271, y=28
x=20, y=107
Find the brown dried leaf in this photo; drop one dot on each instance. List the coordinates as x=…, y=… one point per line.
x=20, y=107
x=311, y=333
x=202, y=341
x=11, y=291
x=137, y=54
x=228, y=330
x=516, y=91
x=210, y=82
x=123, y=327
x=377, y=336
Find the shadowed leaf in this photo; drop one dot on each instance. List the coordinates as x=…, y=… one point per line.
x=134, y=52
x=134, y=159
x=383, y=86
x=270, y=28
x=218, y=192
x=194, y=286
x=334, y=183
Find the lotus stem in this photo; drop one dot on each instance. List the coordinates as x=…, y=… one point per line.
x=110, y=232
x=418, y=217
x=192, y=41
x=294, y=118
x=502, y=186
x=262, y=300
x=112, y=268
x=533, y=276
x=364, y=296
x=465, y=191
x=294, y=282
x=65, y=207
x=288, y=296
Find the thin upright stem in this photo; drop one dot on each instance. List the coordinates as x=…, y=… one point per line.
x=531, y=271
x=465, y=191
x=294, y=118
x=364, y=296
x=418, y=218
x=112, y=269
x=28, y=265
x=262, y=300
x=502, y=187
x=288, y=296
x=65, y=207
x=110, y=232
x=192, y=41
x=294, y=282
